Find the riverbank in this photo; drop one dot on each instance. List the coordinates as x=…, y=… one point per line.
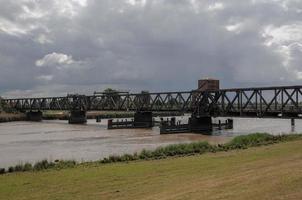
x=62, y=115
x=53, y=115
x=10, y=117
x=266, y=172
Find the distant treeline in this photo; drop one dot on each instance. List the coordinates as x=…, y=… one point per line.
x=105, y=115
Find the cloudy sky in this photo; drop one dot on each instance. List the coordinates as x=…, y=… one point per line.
x=54, y=47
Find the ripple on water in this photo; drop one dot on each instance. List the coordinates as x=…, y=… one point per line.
x=31, y=141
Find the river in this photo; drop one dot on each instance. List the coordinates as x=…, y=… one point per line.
x=33, y=141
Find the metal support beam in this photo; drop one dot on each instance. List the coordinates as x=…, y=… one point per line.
x=273, y=102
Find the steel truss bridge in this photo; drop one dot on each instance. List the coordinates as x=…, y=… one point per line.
x=282, y=102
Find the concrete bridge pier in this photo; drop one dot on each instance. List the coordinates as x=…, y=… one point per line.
x=200, y=124
x=77, y=117
x=143, y=119
x=292, y=121
x=35, y=116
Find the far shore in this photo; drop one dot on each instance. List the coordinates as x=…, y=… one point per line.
x=63, y=115
x=10, y=117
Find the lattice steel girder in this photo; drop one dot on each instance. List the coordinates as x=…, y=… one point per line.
x=260, y=102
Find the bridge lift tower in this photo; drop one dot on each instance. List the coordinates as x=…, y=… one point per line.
x=200, y=119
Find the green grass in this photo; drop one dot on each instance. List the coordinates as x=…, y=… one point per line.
x=266, y=172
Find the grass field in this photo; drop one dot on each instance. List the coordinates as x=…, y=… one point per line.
x=268, y=172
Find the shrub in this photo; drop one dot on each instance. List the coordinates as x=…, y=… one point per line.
x=61, y=164
x=11, y=169
x=145, y=154
x=44, y=164
x=114, y=158
x=158, y=153
x=127, y=157
x=19, y=168
x=27, y=167
x=256, y=139
x=290, y=137
x=2, y=171
x=105, y=160
x=135, y=156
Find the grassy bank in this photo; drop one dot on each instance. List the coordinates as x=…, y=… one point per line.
x=267, y=172
x=239, y=142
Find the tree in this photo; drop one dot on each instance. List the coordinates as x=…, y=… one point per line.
x=110, y=91
x=4, y=106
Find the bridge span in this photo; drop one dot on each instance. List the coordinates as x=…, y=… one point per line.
x=272, y=102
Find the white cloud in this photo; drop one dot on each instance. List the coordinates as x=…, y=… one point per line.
x=137, y=2
x=283, y=35
x=14, y=29
x=295, y=60
x=287, y=41
x=43, y=39
x=55, y=59
x=299, y=75
x=82, y=3
x=234, y=27
x=286, y=5
x=29, y=13
x=216, y=6
x=69, y=8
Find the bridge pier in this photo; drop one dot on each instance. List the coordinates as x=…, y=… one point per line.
x=77, y=117
x=200, y=124
x=143, y=119
x=35, y=116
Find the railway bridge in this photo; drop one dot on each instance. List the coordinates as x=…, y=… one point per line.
x=204, y=103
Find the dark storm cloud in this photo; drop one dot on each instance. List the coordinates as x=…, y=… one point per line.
x=55, y=47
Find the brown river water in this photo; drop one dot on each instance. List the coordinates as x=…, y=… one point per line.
x=33, y=141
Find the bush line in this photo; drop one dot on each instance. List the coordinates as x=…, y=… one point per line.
x=39, y=166
x=239, y=142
